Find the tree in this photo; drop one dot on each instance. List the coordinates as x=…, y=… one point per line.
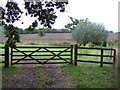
x=72, y=26
x=87, y=31
x=1, y=33
x=43, y=13
x=41, y=32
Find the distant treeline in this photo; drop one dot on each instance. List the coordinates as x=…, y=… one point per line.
x=21, y=31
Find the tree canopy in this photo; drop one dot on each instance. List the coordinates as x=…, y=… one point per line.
x=43, y=13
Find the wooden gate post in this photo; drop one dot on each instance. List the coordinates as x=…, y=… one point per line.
x=101, y=61
x=71, y=62
x=6, y=56
x=75, y=54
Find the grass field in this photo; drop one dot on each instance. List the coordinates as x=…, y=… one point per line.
x=7, y=72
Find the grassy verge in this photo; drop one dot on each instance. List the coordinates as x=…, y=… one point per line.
x=91, y=76
x=7, y=72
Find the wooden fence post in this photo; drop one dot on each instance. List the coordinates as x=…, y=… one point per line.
x=114, y=59
x=75, y=54
x=71, y=62
x=6, y=56
x=101, y=61
x=111, y=53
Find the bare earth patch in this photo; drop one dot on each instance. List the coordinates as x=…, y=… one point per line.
x=29, y=75
x=60, y=79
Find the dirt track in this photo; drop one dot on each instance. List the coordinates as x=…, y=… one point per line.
x=27, y=77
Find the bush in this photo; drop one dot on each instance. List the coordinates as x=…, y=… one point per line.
x=82, y=51
x=89, y=32
x=61, y=44
x=90, y=45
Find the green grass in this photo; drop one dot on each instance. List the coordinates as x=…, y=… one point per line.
x=91, y=76
x=7, y=72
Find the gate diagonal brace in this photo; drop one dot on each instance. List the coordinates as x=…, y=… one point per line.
x=22, y=53
x=30, y=55
x=35, y=59
x=58, y=55
x=34, y=51
x=63, y=59
x=27, y=55
x=51, y=57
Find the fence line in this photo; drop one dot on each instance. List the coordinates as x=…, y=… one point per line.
x=73, y=54
x=76, y=48
x=2, y=55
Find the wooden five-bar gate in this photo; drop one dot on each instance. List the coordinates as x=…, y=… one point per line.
x=41, y=55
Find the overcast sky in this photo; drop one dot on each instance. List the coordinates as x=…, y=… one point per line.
x=99, y=11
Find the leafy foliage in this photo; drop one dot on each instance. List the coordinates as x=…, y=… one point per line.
x=43, y=12
x=87, y=31
x=11, y=14
x=114, y=43
x=83, y=51
x=13, y=36
x=72, y=26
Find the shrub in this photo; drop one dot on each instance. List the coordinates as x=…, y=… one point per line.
x=89, y=45
x=86, y=31
x=82, y=51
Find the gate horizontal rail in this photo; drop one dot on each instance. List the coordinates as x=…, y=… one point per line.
x=95, y=55
x=44, y=63
x=95, y=48
x=43, y=59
